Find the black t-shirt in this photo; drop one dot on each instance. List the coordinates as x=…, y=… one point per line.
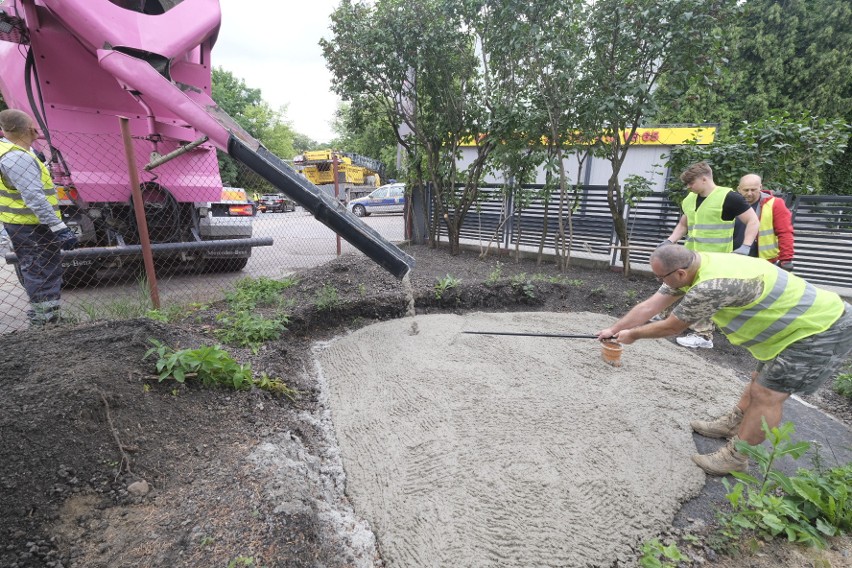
x=734, y=205
x=739, y=231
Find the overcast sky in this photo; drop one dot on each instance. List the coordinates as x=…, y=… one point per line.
x=273, y=46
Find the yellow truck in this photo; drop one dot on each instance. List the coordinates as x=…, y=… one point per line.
x=354, y=172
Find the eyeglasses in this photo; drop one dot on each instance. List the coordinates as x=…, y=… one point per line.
x=664, y=276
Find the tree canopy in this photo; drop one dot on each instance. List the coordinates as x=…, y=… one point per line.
x=789, y=57
x=246, y=106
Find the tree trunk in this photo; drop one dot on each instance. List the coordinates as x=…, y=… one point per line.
x=616, y=207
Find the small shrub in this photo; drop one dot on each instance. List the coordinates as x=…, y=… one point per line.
x=327, y=298
x=523, y=287
x=446, y=283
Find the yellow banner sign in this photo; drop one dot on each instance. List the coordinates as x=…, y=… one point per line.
x=658, y=136
x=672, y=136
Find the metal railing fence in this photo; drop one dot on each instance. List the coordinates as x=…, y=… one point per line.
x=822, y=223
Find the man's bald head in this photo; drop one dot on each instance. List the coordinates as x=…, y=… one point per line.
x=15, y=121
x=750, y=187
x=672, y=257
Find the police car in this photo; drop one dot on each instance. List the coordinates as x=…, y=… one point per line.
x=385, y=199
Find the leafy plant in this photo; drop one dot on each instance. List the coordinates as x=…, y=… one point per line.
x=656, y=555
x=446, y=283
x=523, y=287
x=252, y=292
x=327, y=298
x=495, y=274
x=213, y=366
x=806, y=508
x=248, y=329
x=276, y=386
x=843, y=383
x=599, y=291
x=575, y=282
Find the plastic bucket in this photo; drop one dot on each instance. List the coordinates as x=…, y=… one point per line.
x=611, y=353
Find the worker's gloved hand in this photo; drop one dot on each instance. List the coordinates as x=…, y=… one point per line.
x=743, y=250
x=664, y=243
x=786, y=265
x=67, y=239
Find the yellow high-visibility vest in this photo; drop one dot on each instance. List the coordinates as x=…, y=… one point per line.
x=705, y=229
x=13, y=209
x=767, y=241
x=789, y=309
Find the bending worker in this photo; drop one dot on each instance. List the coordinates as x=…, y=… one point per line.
x=800, y=334
x=709, y=212
x=29, y=210
x=775, y=237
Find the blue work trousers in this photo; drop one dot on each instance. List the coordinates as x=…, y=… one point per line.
x=40, y=261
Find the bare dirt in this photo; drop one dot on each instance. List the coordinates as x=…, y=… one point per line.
x=102, y=466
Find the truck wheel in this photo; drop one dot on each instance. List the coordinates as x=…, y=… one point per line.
x=359, y=210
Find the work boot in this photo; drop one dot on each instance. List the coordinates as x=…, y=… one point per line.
x=694, y=340
x=724, y=461
x=723, y=427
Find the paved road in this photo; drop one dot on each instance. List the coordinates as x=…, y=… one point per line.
x=300, y=242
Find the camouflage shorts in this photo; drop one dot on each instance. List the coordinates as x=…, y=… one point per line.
x=806, y=364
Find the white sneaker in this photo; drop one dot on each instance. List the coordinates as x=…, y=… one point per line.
x=694, y=340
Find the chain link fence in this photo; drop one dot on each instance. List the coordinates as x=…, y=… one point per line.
x=203, y=236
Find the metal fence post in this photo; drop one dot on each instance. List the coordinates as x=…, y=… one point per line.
x=139, y=210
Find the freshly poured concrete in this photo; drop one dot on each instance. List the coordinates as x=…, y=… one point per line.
x=472, y=450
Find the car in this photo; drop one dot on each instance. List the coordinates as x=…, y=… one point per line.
x=277, y=202
x=388, y=198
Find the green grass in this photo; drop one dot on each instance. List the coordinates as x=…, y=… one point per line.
x=327, y=298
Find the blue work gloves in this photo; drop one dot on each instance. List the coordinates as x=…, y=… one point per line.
x=786, y=265
x=743, y=250
x=67, y=239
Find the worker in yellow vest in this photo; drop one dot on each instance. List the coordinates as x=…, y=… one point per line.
x=709, y=212
x=800, y=335
x=775, y=239
x=29, y=211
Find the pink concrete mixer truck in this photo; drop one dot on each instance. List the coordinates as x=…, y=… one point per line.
x=76, y=66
